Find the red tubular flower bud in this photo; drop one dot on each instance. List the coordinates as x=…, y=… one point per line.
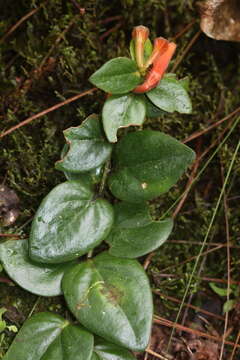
x=140, y=34
x=160, y=64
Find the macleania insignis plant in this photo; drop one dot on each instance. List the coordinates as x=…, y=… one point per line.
x=109, y=294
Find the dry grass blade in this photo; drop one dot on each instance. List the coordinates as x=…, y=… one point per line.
x=207, y=234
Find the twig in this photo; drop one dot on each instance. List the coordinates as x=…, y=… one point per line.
x=34, y=306
x=114, y=28
x=188, y=242
x=151, y=352
x=47, y=111
x=171, y=324
x=184, y=30
x=204, y=131
x=171, y=298
x=22, y=20
x=235, y=345
x=5, y=280
x=10, y=235
x=188, y=187
x=185, y=51
x=191, y=259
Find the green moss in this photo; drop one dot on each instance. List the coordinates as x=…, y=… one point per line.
x=29, y=86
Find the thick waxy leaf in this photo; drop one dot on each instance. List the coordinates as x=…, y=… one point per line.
x=39, y=279
x=111, y=297
x=89, y=178
x=117, y=76
x=171, y=95
x=88, y=148
x=69, y=223
x=153, y=111
x=47, y=336
x=134, y=233
x=107, y=351
x=122, y=111
x=147, y=164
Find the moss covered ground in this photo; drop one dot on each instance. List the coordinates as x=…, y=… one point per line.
x=49, y=58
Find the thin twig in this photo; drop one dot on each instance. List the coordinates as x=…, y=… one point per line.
x=198, y=243
x=114, y=28
x=171, y=324
x=204, y=131
x=10, y=235
x=191, y=259
x=184, y=30
x=185, y=51
x=196, y=308
x=47, y=111
x=22, y=20
x=151, y=352
x=235, y=345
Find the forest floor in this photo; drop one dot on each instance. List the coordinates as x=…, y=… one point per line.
x=48, y=51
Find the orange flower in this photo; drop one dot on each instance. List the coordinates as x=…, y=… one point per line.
x=140, y=35
x=162, y=53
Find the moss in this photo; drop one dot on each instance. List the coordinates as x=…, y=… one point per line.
x=39, y=69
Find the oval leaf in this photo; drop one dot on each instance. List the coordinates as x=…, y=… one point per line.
x=69, y=223
x=39, y=279
x=107, y=351
x=88, y=148
x=47, y=336
x=117, y=76
x=122, y=111
x=147, y=164
x=112, y=298
x=134, y=233
x=171, y=95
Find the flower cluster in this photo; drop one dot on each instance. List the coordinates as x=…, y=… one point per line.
x=157, y=63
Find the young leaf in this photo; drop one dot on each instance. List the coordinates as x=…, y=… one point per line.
x=134, y=233
x=122, y=111
x=117, y=76
x=220, y=291
x=229, y=305
x=147, y=164
x=171, y=95
x=88, y=148
x=39, y=279
x=47, y=336
x=69, y=223
x=111, y=297
x=148, y=48
x=107, y=351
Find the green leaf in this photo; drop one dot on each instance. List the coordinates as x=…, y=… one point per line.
x=112, y=298
x=147, y=164
x=122, y=111
x=47, y=336
x=153, y=111
x=88, y=148
x=39, y=279
x=134, y=233
x=69, y=223
x=148, y=48
x=117, y=76
x=220, y=291
x=171, y=95
x=89, y=178
x=3, y=324
x=107, y=351
x=229, y=305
